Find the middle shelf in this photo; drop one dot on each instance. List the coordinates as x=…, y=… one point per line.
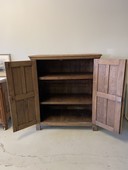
x=67, y=76
x=68, y=99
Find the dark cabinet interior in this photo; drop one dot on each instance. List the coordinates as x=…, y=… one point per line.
x=65, y=91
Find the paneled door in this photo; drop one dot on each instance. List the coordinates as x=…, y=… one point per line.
x=23, y=93
x=108, y=81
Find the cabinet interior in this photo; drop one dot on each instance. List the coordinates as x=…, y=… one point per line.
x=65, y=91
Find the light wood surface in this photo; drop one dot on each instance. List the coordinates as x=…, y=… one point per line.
x=107, y=93
x=68, y=99
x=67, y=76
x=65, y=56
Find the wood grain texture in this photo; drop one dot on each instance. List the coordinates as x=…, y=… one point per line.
x=94, y=94
x=67, y=77
x=66, y=67
x=68, y=99
x=65, y=56
x=48, y=88
x=36, y=90
x=108, y=62
x=107, y=96
x=68, y=83
x=67, y=117
x=4, y=105
x=22, y=94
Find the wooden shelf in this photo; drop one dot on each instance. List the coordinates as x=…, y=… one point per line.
x=68, y=118
x=68, y=76
x=68, y=123
x=76, y=99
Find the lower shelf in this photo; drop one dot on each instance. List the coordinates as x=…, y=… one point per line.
x=68, y=118
x=50, y=123
x=77, y=99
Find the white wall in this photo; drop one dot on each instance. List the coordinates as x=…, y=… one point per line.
x=63, y=26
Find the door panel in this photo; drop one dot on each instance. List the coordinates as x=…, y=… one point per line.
x=107, y=93
x=23, y=93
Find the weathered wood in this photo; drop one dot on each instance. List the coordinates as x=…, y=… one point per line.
x=67, y=77
x=68, y=83
x=68, y=123
x=22, y=94
x=4, y=104
x=36, y=90
x=109, y=96
x=108, y=62
x=107, y=93
x=48, y=88
x=95, y=77
x=109, y=128
x=67, y=117
x=66, y=56
x=124, y=109
x=68, y=99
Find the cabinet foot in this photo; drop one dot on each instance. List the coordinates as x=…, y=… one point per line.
x=38, y=127
x=5, y=127
x=95, y=128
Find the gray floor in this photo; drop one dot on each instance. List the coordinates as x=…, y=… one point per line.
x=63, y=149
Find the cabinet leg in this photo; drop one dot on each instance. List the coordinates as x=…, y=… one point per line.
x=38, y=127
x=95, y=128
x=5, y=127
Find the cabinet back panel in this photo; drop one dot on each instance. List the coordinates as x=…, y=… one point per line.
x=64, y=66
x=65, y=87
x=65, y=113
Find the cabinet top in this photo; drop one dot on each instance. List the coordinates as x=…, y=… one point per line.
x=65, y=56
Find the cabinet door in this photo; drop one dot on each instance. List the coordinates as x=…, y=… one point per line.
x=108, y=80
x=4, y=105
x=23, y=93
x=2, y=116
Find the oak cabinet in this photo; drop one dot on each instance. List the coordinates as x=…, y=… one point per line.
x=66, y=90
x=4, y=104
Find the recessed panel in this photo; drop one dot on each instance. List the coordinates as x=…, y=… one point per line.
x=101, y=110
x=101, y=78
x=113, y=74
x=17, y=80
x=28, y=79
x=111, y=113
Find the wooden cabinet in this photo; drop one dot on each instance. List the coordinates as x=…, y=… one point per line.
x=66, y=90
x=4, y=104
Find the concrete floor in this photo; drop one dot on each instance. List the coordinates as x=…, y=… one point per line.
x=63, y=149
